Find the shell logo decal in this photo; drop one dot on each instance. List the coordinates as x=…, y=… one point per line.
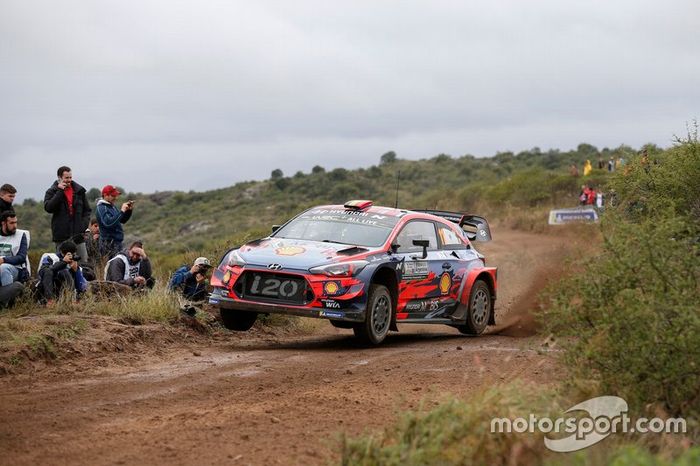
x=445, y=283
x=331, y=288
x=289, y=250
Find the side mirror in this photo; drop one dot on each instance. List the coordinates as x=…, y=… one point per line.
x=394, y=248
x=424, y=243
x=276, y=227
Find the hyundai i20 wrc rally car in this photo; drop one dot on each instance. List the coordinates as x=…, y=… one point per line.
x=362, y=267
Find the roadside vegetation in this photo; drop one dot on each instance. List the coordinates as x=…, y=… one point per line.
x=626, y=316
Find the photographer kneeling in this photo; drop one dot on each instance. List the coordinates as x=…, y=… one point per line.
x=191, y=283
x=61, y=273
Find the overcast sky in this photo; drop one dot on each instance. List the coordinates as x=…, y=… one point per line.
x=164, y=94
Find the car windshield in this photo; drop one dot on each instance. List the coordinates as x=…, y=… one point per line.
x=340, y=226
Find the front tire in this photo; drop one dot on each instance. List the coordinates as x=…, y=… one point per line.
x=380, y=310
x=238, y=320
x=480, y=308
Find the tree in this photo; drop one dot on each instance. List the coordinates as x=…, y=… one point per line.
x=389, y=157
x=318, y=169
x=93, y=194
x=276, y=174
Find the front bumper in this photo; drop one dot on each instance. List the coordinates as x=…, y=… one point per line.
x=225, y=302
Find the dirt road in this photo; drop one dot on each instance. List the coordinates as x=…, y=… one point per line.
x=269, y=400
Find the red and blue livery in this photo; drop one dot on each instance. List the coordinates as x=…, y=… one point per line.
x=363, y=267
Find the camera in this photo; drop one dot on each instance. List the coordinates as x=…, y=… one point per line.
x=77, y=258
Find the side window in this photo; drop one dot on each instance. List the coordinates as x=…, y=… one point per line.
x=449, y=238
x=413, y=231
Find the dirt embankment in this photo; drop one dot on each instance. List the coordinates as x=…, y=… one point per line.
x=270, y=398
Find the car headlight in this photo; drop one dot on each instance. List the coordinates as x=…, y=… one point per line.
x=234, y=259
x=342, y=269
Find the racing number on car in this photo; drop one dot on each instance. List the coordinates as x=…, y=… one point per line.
x=274, y=287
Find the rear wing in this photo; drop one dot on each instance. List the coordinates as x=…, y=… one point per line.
x=475, y=226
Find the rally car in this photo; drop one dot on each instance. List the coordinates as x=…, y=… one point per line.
x=363, y=267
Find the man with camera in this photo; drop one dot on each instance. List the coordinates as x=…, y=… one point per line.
x=61, y=273
x=191, y=281
x=110, y=220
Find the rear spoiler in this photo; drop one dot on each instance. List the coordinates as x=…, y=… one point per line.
x=475, y=226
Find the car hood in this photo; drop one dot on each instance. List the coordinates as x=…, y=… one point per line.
x=297, y=254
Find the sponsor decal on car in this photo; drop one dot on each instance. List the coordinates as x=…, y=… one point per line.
x=413, y=270
x=445, y=283
x=331, y=288
x=289, y=250
x=426, y=305
x=334, y=314
x=330, y=304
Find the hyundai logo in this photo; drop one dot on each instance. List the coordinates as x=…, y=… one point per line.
x=274, y=266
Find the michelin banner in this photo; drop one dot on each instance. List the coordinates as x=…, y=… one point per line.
x=563, y=216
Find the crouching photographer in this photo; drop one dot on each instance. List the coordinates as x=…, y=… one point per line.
x=61, y=273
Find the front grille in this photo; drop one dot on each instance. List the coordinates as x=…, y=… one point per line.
x=274, y=288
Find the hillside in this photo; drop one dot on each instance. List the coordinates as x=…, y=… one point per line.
x=178, y=222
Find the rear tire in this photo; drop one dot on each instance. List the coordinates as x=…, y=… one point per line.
x=380, y=310
x=480, y=308
x=238, y=320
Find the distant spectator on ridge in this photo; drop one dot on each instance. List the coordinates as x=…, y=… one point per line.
x=68, y=204
x=587, y=168
x=7, y=197
x=110, y=220
x=573, y=170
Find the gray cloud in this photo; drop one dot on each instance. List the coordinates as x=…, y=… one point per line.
x=192, y=95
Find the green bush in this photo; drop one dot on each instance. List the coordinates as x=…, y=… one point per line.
x=630, y=314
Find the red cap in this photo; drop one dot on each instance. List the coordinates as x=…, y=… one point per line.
x=110, y=190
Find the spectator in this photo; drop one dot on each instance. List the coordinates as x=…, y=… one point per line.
x=587, y=168
x=583, y=196
x=192, y=281
x=611, y=165
x=92, y=238
x=61, y=273
x=601, y=164
x=131, y=267
x=110, y=220
x=573, y=170
x=14, y=245
x=590, y=200
x=7, y=197
x=599, y=200
x=70, y=210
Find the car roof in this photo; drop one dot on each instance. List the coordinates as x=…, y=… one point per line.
x=389, y=211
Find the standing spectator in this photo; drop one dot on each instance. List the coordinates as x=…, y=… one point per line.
x=70, y=210
x=590, y=200
x=110, y=220
x=7, y=197
x=587, y=167
x=601, y=164
x=583, y=195
x=14, y=245
x=599, y=200
x=61, y=273
x=573, y=170
x=131, y=267
x=192, y=281
x=611, y=165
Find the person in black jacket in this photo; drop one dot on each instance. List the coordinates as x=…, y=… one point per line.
x=68, y=203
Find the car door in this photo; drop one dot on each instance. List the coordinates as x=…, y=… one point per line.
x=420, y=292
